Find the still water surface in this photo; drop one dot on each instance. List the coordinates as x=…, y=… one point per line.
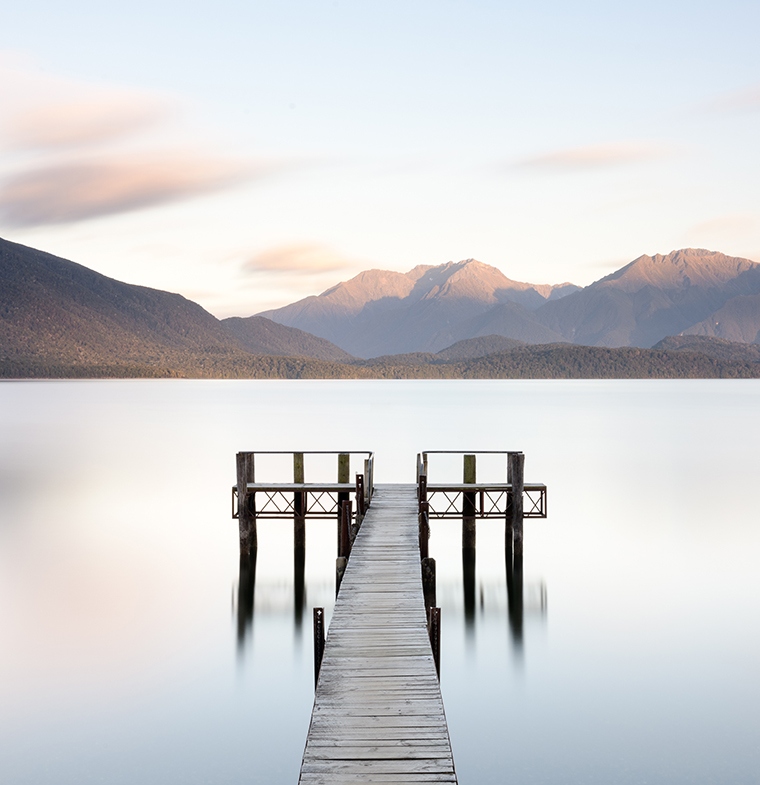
x=131, y=652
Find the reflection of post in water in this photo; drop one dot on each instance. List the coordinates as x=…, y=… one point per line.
x=246, y=590
x=299, y=585
x=514, y=589
x=468, y=578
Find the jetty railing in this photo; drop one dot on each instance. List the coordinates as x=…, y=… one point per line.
x=298, y=500
x=473, y=499
x=469, y=500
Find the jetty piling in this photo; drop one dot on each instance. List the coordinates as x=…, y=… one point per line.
x=246, y=504
x=468, y=502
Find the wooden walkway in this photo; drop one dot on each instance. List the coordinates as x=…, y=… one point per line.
x=378, y=714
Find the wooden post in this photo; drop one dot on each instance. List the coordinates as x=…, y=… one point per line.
x=246, y=504
x=343, y=467
x=340, y=569
x=517, y=466
x=468, y=503
x=428, y=581
x=319, y=641
x=299, y=503
x=434, y=631
x=344, y=461
x=422, y=490
x=424, y=534
x=367, y=483
x=345, y=529
x=360, y=495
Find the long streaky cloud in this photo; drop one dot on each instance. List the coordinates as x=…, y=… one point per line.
x=77, y=191
x=594, y=156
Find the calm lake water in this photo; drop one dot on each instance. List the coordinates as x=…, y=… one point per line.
x=129, y=652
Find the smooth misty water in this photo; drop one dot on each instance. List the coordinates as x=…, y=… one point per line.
x=128, y=653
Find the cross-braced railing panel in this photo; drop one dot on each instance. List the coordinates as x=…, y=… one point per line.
x=534, y=503
x=486, y=502
x=273, y=503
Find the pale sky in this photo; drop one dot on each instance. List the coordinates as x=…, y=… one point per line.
x=247, y=154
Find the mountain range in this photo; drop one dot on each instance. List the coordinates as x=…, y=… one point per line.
x=458, y=320
x=690, y=291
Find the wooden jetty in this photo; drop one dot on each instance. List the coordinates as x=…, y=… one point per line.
x=378, y=714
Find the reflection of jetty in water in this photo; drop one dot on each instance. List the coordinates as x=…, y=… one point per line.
x=276, y=598
x=491, y=599
x=246, y=591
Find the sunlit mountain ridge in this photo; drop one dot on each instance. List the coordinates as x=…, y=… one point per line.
x=429, y=308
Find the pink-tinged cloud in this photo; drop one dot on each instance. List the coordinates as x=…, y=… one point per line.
x=303, y=258
x=82, y=120
x=595, y=156
x=45, y=111
x=72, y=192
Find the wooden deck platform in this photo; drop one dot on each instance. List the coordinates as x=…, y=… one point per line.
x=378, y=714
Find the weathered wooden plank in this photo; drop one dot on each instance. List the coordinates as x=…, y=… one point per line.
x=378, y=714
x=336, y=778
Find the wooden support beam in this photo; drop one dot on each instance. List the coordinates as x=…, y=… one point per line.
x=468, y=503
x=340, y=570
x=344, y=468
x=346, y=513
x=319, y=641
x=246, y=504
x=299, y=503
x=424, y=533
x=434, y=630
x=428, y=581
x=516, y=473
x=360, y=505
x=367, y=483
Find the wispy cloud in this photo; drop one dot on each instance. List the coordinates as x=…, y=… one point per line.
x=75, y=150
x=44, y=111
x=302, y=258
x=63, y=193
x=594, y=156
